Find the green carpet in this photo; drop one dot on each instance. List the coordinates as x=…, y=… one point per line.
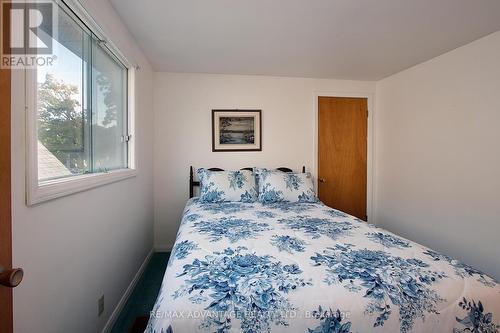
x=143, y=297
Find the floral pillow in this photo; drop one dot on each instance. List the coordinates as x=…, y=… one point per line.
x=220, y=186
x=275, y=186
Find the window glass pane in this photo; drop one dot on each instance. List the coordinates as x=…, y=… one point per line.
x=63, y=126
x=109, y=80
x=81, y=105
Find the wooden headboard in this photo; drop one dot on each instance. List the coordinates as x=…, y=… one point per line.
x=193, y=183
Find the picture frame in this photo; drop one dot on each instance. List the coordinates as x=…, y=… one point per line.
x=236, y=130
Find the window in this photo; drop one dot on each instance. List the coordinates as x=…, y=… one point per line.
x=80, y=133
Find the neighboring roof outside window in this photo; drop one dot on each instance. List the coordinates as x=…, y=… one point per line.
x=49, y=166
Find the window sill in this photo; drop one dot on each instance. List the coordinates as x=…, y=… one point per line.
x=53, y=189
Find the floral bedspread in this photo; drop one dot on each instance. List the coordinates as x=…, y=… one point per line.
x=304, y=267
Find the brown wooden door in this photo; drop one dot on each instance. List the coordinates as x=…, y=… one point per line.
x=342, y=153
x=5, y=200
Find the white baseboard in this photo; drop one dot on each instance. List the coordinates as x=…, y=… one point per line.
x=119, y=307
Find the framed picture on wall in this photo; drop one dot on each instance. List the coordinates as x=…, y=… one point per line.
x=236, y=130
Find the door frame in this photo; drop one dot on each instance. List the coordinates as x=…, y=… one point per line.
x=6, y=318
x=370, y=144
x=6, y=308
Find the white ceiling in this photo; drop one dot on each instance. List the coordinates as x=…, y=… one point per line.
x=346, y=39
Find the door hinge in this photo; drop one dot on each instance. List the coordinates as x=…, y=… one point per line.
x=126, y=138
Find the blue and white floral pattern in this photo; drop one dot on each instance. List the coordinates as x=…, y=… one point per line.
x=461, y=269
x=223, y=207
x=276, y=186
x=267, y=194
x=220, y=186
x=265, y=214
x=288, y=243
x=292, y=181
x=254, y=287
x=191, y=217
x=232, y=228
x=387, y=240
x=237, y=179
x=181, y=250
x=248, y=196
x=330, y=322
x=476, y=320
x=336, y=213
x=317, y=227
x=211, y=193
x=256, y=267
x=385, y=280
x=295, y=207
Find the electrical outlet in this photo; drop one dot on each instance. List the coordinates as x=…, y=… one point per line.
x=100, y=305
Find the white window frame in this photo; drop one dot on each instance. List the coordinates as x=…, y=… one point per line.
x=38, y=192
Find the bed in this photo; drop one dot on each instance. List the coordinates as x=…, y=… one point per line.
x=304, y=267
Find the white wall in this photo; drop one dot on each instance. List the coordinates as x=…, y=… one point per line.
x=183, y=104
x=78, y=247
x=437, y=175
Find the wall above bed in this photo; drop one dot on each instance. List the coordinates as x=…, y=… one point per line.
x=183, y=104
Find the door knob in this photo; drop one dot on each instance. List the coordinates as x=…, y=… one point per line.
x=322, y=180
x=11, y=277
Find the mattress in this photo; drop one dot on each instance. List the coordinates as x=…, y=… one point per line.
x=304, y=267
